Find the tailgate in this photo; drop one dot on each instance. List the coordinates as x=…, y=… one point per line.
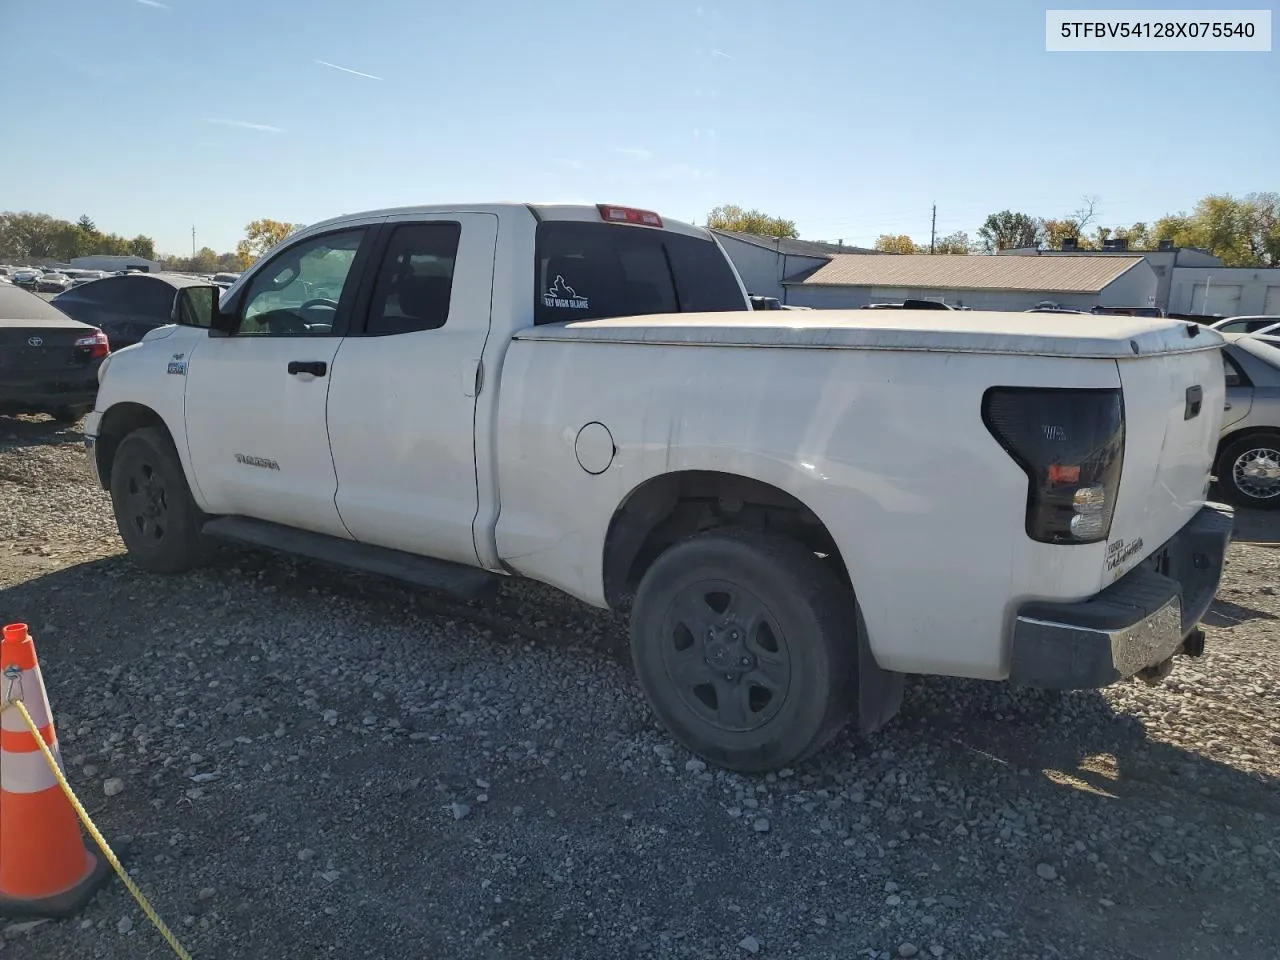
x=1173, y=411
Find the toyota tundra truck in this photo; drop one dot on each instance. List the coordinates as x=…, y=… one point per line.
x=798, y=508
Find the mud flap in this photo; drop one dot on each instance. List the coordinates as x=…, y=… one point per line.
x=879, y=690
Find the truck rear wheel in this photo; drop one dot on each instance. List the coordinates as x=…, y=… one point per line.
x=1249, y=471
x=745, y=645
x=156, y=517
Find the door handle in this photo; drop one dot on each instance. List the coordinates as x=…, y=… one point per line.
x=1194, y=397
x=1226, y=406
x=317, y=368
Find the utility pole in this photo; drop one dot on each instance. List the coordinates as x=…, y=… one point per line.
x=193, y=241
x=933, y=228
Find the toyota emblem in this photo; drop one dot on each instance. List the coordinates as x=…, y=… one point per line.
x=35, y=341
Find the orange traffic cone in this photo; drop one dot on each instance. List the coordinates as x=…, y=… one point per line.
x=45, y=868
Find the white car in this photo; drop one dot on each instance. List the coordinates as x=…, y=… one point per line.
x=1257, y=323
x=804, y=508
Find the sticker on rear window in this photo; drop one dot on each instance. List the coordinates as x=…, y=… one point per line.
x=564, y=297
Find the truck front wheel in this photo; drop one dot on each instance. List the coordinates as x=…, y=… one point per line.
x=158, y=521
x=745, y=645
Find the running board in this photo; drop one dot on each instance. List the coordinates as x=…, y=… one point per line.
x=465, y=583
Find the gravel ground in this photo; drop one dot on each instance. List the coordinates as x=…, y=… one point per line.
x=314, y=763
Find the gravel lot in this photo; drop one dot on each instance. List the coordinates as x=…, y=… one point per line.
x=316, y=763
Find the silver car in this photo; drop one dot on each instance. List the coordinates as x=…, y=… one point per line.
x=1248, y=463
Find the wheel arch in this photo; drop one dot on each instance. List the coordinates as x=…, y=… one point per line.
x=670, y=506
x=120, y=420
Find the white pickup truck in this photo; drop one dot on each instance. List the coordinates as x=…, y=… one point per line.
x=801, y=507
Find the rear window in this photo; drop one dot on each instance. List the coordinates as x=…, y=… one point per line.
x=586, y=271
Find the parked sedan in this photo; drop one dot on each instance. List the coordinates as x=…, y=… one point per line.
x=26, y=277
x=1248, y=463
x=53, y=283
x=48, y=362
x=126, y=307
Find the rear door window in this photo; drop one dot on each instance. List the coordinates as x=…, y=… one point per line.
x=415, y=279
x=589, y=271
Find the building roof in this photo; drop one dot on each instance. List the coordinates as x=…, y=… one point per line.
x=960, y=272
x=792, y=248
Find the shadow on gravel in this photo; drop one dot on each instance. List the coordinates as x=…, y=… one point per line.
x=1224, y=613
x=36, y=430
x=1260, y=527
x=1079, y=742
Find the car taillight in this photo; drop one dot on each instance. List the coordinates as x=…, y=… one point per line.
x=614, y=214
x=96, y=343
x=1070, y=443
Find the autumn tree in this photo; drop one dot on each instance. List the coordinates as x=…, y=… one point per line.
x=901, y=243
x=260, y=236
x=1008, y=230
x=734, y=218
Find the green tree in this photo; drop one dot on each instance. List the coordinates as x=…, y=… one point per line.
x=899, y=243
x=952, y=243
x=730, y=217
x=229, y=263
x=1008, y=230
x=144, y=247
x=1260, y=216
x=260, y=236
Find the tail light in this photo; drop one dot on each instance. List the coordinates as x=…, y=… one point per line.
x=96, y=343
x=614, y=214
x=1070, y=443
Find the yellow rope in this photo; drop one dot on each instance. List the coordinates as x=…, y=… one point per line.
x=93, y=832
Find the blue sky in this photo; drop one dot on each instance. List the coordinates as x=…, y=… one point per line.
x=849, y=117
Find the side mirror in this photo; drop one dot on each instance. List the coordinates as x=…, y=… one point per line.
x=198, y=307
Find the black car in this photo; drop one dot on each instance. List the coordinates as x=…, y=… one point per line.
x=48, y=362
x=125, y=307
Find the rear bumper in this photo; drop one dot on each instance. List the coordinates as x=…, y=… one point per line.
x=1141, y=620
x=44, y=395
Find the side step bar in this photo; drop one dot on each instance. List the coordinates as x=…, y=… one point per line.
x=465, y=583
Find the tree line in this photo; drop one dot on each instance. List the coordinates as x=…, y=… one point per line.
x=34, y=238
x=1243, y=231
x=30, y=237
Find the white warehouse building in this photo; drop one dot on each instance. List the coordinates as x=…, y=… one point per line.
x=979, y=282
x=1225, y=291
x=113, y=263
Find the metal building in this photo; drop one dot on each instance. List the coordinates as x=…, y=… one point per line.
x=113, y=263
x=1225, y=291
x=1164, y=260
x=979, y=282
x=767, y=263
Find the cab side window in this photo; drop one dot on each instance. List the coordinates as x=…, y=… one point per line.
x=415, y=279
x=299, y=293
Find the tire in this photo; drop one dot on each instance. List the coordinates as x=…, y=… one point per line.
x=746, y=647
x=1257, y=452
x=157, y=519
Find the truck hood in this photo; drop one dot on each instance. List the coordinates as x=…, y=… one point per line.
x=947, y=331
